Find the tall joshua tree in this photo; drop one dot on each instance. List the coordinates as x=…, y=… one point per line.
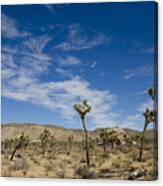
x=83, y=108
x=150, y=116
x=147, y=116
x=152, y=94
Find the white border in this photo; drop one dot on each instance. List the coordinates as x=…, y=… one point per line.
x=42, y=181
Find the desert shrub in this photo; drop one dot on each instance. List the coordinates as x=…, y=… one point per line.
x=35, y=160
x=60, y=170
x=19, y=164
x=85, y=172
x=134, y=154
x=116, y=165
x=49, y=167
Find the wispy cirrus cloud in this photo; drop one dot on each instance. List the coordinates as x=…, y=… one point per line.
x=64, y=72
x=37, y=44
x=50, y=8
x=69, y=61
x=142, y=71
x=78, y=39
x=94, y=64
x=142, y=107
x=23, y=65
x=133, y=121
x=141, y=48
x=9, y=28
x=136, y=121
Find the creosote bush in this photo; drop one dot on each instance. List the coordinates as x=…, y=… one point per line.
x=84, y=172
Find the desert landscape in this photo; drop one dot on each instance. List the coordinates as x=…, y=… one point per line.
x=64, y=153
x=79, y=91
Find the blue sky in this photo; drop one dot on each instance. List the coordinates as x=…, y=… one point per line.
x=56, y=55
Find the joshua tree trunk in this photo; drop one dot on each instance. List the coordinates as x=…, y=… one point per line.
x=43, y=149
x=104, y=149
x=14, y=151
x=141, y=143
x=86, y=141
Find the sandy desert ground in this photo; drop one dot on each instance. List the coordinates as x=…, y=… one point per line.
x=65, y=158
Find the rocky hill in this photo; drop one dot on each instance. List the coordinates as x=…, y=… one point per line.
x=11, y=130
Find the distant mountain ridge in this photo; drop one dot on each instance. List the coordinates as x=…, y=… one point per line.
x=33, y=130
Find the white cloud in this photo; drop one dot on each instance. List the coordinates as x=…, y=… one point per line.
x=37, y=44
x=61, y=96
x=140, y=48
x=142, y=71
x=64, y=72
x=22, y=66
x=137, y=121
x=78, y=39
x=26, y=62
x=10, y=28
x=69, y=61
x=94, y=64
x=141, y=92
x=50, y=7
x=133, y=121
x=142, y=107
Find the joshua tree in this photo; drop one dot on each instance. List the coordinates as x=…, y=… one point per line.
x=149, y=117
x=104, y=136
x=8, y=143
x=20, y=142
x=52, y=142
x=152, y=94
x=70, y=141
x=113, y=138
x=83, y=108
x=108, y=137
x=45, y=138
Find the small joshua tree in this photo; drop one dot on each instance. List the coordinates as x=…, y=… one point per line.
x=20, y=142
x=8, y=143
x=70, y=141
x=44, y=137
x=104, y=138
x=83, y=108
x=113, y=138
x=52, y=142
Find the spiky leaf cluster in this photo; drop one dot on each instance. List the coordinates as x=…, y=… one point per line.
x=22, y=139
x=82, y=108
